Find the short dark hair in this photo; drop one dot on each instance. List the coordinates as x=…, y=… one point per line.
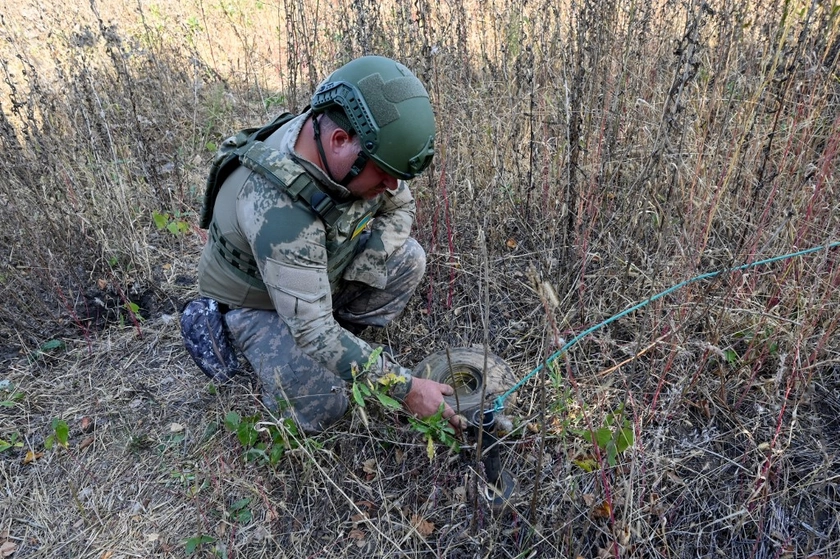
x=337, y=119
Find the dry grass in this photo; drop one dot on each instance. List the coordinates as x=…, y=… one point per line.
x=608, y=151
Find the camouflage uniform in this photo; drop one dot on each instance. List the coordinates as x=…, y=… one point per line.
x=361, y=271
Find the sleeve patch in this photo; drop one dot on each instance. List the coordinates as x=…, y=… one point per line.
x=304, y=283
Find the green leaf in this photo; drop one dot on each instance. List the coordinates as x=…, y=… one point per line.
x=240, y=504
x=254, y=454
x=731, y=356
x=12, y=399
x=246, y=434
x=51, y=345
x=274, y=432
x=194, y=543
x=357, y=395
x=232, y=420
x=13, y=443
x=160, y=219
x=624, y=438
x=240, y=511
x=49, y=442
x=62, y=431
x=387, y=401
x=211, y=146
x=373, y=358
x=422, y=427
x=244, y=516
x=291, y=427
x=209, y=431
x=587, y=464
x=276, y=454
x=172, y=227
x=602, y=437
x=612, y=453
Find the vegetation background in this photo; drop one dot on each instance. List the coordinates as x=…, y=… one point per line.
x=590, y=155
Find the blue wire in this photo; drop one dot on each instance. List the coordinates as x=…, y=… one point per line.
x=500, y=401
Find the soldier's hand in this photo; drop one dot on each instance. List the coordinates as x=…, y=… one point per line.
x=425, y=397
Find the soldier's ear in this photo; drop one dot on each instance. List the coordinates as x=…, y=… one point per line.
x=340, y=138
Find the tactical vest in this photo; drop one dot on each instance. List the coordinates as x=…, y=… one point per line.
x=343, y=226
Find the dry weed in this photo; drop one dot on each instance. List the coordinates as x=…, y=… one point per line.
x=609, y=151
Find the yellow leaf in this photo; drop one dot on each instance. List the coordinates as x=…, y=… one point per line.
x=391, y=379
x=587, y=464
x=107, y=555
x=31, y=456
x=430, y=448
x=604, y=510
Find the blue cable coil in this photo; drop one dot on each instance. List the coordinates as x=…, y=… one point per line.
x=499, y=402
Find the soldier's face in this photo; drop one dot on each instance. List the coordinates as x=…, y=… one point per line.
x=371, y=182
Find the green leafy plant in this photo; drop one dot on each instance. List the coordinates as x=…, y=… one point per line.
x=187, y=477
x=47, y=347
x=240, y=511
x=264, y=441
x=174, y=223
x=614, y=437
x=436, y=428
x=363, y=387
x=13, y=442
x=134, y=310
x=732, y=356
x=60, y=434
x=192, y=544
x=9, y=397
x=764, y=341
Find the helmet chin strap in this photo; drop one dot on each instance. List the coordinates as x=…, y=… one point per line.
x=357, y=167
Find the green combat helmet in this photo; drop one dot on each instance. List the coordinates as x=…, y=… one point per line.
x=388, y=107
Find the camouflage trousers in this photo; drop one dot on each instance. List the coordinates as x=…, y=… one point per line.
x=311, y=394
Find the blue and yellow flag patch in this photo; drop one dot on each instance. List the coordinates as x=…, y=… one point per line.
x=360, y=226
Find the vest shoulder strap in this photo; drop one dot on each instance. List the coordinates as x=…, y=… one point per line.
x=290, y=177
x=227, y=160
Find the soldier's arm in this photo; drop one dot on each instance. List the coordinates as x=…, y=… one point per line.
x=289, y=244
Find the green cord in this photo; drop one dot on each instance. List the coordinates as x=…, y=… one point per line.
x=500, y=401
